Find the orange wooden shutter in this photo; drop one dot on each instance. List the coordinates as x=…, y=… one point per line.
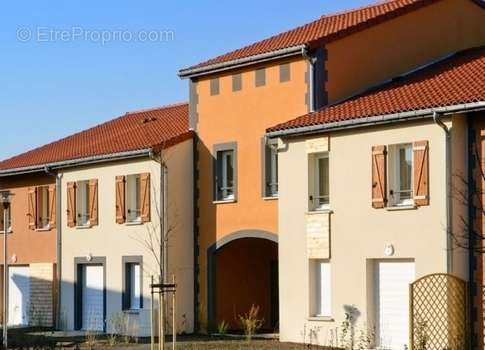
x=71, y=204
x=145, y=197
x=32, y=207
x=379, y=168
x=421, y=173
x=52, y=206
x=93, y=199
x=120, y=200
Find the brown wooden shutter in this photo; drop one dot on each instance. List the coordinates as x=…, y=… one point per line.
x=120, y=200
x=71, y=204
x=93, y=199
x=32, y=207
x=52, y=206
x=379, y=177
x=145, y=197
x=421, y=173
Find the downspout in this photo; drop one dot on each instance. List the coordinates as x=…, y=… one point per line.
x=58, y=177
x=449, y=205
x=311, y=78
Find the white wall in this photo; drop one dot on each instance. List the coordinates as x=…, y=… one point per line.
x=113, y=241
x=358, y=233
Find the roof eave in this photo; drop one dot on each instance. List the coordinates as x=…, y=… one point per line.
x=241, y=62
x=377, y=120
x=76, y=162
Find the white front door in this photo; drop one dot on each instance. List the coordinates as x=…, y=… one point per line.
x=18, y=295
x=392, y=303
x=92, y=298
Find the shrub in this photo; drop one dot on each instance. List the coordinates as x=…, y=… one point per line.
x=250, y=322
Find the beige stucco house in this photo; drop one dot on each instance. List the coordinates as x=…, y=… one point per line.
x=364, y=209
x=124, y=187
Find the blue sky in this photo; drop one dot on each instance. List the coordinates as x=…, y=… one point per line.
x=63, y=78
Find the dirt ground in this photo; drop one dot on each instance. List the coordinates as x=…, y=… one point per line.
x=39, y=339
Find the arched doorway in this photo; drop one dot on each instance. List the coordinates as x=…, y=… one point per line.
x=243, y=271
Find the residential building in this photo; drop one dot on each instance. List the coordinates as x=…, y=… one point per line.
x=236, y=96
x=126, y=187
x=364, y=209
x=31, y=249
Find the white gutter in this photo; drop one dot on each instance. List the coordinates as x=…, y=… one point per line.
x=240, y=62
x=377, y=120
x=76, y=162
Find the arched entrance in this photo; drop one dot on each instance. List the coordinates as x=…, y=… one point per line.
x=243, y=271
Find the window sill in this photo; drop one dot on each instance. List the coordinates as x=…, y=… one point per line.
x=84, y=227
x=321, y=318
x=224, y=201
x=320, y=211
x=270, y=198
x=134, y=223
x=402, y=207
x=8, y=232
x=44, y=229
x=132, y=311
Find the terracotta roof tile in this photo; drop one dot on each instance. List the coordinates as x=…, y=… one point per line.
x=158, y=127
x=455, y=80
x=324, y=29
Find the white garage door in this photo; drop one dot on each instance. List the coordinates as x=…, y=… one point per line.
x=393, y=280
x=92, y=298
x=18, y=295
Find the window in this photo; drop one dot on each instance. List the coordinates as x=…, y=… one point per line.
x=9, y=218
x=320, y=280
x=319, y=165
x=285, y=73
x=82, y=203
x=236, y=82
x=214, y=86
x=43, y=201
x=260, y=77
x=133, y=198
x=225, y=162
x=270, y=168
x=132, y=283
x=41, y=205
x=225, y=171
x=400, y=174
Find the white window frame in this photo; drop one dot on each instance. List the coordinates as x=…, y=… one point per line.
x=321, y=275
x=133, y=200
x=394, y=176
x=317, y=196
x=134, y=269
x=226, y=192
x=82, y=204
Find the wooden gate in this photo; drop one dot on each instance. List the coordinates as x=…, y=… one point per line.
x=438, y=313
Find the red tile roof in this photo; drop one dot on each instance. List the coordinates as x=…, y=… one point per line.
x=158, y=127
x=458, y=79
x=324, y=29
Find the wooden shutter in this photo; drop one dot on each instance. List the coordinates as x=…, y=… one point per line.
x=52, y=206
x=421, y=173
x=145, y=197
x=32, y=207
x=71, y=204
x=120, y=200
x=379, y=177
x=93, y=202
